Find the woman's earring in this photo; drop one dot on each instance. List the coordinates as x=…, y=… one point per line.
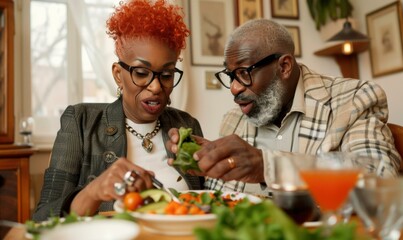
x=118, y=92
x=169, y=101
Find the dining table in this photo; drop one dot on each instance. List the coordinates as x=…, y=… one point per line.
x=18, y=233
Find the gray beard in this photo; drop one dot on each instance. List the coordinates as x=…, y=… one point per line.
x=268, y=105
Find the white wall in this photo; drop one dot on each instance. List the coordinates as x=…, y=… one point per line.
x=393, y=83
x=210, y=105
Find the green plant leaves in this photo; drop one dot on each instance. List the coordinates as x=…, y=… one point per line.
x=322, y=10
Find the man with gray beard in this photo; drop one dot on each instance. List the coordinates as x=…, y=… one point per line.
x=286, y=107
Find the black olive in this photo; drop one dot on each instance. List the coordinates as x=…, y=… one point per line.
x=148, y=200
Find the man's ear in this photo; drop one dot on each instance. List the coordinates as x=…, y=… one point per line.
x=286, y=63
x=117, y=74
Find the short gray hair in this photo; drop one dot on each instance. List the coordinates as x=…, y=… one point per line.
x=272, y=36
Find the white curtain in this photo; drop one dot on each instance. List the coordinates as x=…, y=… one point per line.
x=101, y=57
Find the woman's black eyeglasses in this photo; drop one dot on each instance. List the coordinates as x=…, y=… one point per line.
x=142, y=76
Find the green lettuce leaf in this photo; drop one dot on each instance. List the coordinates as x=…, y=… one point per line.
x=187, y=146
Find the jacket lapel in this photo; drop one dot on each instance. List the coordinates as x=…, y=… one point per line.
x=314, y=123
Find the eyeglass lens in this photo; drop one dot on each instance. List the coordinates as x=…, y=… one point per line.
x=243, y=74
x=144, y=76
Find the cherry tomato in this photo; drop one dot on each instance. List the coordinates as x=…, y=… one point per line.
x=132, y=200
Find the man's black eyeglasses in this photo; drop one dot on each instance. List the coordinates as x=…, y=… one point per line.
x=242, y=74
x=142, y=76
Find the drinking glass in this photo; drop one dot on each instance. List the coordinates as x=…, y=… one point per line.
x=379, y=204
x=330, y=177
x=26, y=126
x=290, y=193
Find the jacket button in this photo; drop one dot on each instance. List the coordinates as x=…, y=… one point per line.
x=109, y=156
x=111, y=130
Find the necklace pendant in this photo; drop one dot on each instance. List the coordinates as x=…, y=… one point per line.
x=147, y=144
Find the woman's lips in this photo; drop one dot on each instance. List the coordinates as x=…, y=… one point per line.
x=152, y=106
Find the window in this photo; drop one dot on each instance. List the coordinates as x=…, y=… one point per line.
x=71, y=57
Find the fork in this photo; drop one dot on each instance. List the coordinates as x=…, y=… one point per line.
x=157, y=184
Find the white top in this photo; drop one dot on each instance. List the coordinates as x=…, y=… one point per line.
x=156, y=160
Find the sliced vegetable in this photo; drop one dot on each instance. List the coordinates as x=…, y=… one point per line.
x=156, y=207
x=156, y=194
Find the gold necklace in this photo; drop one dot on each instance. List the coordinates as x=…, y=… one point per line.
x=147, y=144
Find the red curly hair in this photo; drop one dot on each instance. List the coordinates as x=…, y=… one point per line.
x=145, y=18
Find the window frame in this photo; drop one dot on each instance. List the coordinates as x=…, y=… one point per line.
x=23, y=85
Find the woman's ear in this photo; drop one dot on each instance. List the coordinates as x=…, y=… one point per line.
x=117, y=74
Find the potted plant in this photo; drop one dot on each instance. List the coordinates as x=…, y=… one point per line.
x=323, y=10
x=330, y=15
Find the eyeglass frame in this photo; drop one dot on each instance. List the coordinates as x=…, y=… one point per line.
x=130, y=69
x=233, y=76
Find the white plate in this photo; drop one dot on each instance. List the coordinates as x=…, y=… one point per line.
x=180, y=224
x=99, y=229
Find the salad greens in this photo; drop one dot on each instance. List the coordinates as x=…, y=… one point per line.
x=186, y=147
x=250, y=221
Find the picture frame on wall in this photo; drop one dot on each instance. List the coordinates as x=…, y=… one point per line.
x=211, y=22
x=284, y=9
x=295, y=34
x=248, y=10
x=212, y=82
x=386, y=46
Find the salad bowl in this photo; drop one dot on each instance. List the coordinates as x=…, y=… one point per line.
x=168, y=224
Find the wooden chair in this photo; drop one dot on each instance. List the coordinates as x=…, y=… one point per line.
x=397, y=132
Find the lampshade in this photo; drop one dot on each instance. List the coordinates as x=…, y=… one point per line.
x=348, y=34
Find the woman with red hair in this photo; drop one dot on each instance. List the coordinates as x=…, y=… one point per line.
x=103, y=151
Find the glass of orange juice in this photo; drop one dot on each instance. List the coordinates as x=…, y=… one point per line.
x=330, y=177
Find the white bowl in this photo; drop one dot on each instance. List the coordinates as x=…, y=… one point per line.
x=180, y=224
x=100, y=229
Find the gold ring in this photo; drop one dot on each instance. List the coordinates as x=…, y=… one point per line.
x=231, y=163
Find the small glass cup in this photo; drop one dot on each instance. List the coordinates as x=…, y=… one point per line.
x=379, y=204
x=290, y=192
x=26, y=126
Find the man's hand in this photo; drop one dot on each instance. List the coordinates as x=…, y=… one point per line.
x=227, y=158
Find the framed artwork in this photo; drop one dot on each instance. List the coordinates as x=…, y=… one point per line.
x=294, y=31
x=247, y=10
x=285, y=9
x=386, y=49
x=211, y=22
x=211, y=81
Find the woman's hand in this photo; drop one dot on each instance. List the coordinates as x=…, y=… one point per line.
x=102, y=188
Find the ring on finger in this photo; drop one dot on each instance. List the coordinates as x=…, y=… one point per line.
x=120, y=188
x=130, y=177
x=231, y=163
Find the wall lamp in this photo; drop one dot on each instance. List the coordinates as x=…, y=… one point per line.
x=348, y=35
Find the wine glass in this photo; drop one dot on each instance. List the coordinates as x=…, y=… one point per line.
x=379, y=204
x=330, y=177
x=26, y=126
x=290, y=193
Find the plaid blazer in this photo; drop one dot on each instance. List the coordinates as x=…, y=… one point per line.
x=88, y=132
x=341, y=114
